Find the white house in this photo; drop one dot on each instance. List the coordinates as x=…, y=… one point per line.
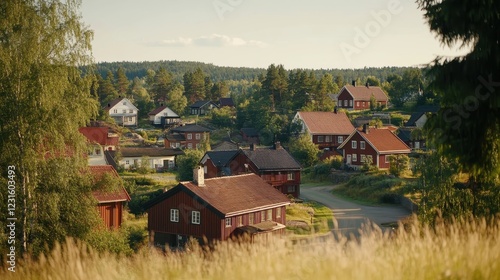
x=122, y=111
x=157, y=158
x=163, y=116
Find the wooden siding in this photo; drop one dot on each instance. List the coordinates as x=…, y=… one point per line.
x=111, y=214
x=193, y=141
x=159, y=218
x=245, y=220
x=344, y=95
x=212, y=170
x=348, y=150
x=331, y=144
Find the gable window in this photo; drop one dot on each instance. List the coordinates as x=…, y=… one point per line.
x=228, y=222
x=189, y=136
x=354, y=144
x=195, y=217
x=320, y=139
x=278, y=212
x=362, y=145
x=354, y=157
x=345, y=103
x=124, y=111
x=115, y=111
x=124, y=102
x=262, y=216
x=174, y=215
x=328, y=138
x=340, y=139
x=250, y=218
x=131, y=111
x=290, y=176
x=197, y=136
x=270, y=215
x=127, y=162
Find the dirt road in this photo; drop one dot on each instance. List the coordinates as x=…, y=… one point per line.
x=350, y=216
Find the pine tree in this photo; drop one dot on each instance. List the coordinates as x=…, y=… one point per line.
x=122, y=83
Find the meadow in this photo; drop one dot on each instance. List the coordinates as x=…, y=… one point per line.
x=463, y=250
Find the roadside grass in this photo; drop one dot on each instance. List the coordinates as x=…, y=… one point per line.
x=300, y=222
x=462, y=250
x=375, y=188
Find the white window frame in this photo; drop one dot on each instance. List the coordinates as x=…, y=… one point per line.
x=363, y=158
x=321, y=138
x=345, y=103
x=174, y=215
x=190, y=145
x=350, y=103
x=229, y=222
x=354, y=157
x=387, y=160
x=290, y=176
x=124, y=111
x=189, y=136
x=362, y=145
x=340, y=139
x=269, y=215
x=239, y=221
x=290, y=189
x=354, y=144
x=251, y=218
x=328, y=138
x=262, y=216
x=278, y=212
x=195, y=217
x=115, y=111
x=197, y=136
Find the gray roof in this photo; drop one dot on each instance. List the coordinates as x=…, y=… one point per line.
x=272, y=159
x=250, y=131
x=413, y=118
x=190, y=128
x=221, y=158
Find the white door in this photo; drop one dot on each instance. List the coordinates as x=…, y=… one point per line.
x=348, y=159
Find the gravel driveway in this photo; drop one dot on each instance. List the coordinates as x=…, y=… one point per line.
x=350, y=216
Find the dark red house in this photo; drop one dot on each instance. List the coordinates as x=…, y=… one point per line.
x=354, y=97
x=215, y=209
x=275, y=165
x=372, y=145
x=217, y=163
x=110, y=202
x=187, y=136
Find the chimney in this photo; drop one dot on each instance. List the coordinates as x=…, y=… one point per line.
x=199, y=176
x=366, y=128
x=353, y=83
x=277, y=145
x=252, y=147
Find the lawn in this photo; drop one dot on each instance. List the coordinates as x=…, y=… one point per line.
x=300, y=222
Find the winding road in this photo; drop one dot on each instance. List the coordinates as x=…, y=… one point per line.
x=349, y=216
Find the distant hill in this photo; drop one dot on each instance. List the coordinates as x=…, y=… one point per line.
x=219, y=73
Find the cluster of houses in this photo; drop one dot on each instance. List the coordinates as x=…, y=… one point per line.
x=238, y=191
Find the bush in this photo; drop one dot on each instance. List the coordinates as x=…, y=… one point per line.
x=114, y=241
x=137, y=201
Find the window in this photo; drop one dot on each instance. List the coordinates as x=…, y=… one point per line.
x=262, y=216
x=290, y=176
x=195, y=217
x=270, y=215
x=228, y=222
x=131, y=111
x=250, y=218
x=320, y=139
x=362, y=145
x=124, y=111
x=387, y=159
x=189, y=136
x=127, y=162
x=197, y=136
x=278, y=212
x=363, y=104
x=115, y=111
x=239, y=221
x=357, y=104
x=190, y=145
x=340, y=139
x=328, y=138
x=129, y=119
x=363, y=158
x=354, y=144
x=291, y=189
x=345, y=103
x=124, y=102
x=354, y=157
x=174, y=215
x=97, y=151
x=350, y=103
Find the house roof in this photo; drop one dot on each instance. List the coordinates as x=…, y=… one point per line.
x=226, y=146
x=103, y=196
x=99, y=135
x=221, y=158
x=230, y=195
x=250, y=131
x=364, y=93
x=404, y=134
x=175, y=137
x=160, y=109
x=414, y=118
x=150, y=152
x=268, y=159
x=190, y=128
x=226, y=101
x=326, y=123
x=381, y=139
x=201, y=103
x=114, y=102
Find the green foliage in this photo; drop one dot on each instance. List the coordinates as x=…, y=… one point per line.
x=187, y=162
x=114, y=241
x=403, y=88
x=398, y=164
x=373, y=188
x=222, y=117
x=304, y=150
x=144, y=166
x=44, y=98
x=138, y=201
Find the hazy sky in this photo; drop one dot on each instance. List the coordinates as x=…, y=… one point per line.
x=255, y=33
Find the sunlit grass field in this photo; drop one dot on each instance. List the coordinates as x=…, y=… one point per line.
x=465, y=250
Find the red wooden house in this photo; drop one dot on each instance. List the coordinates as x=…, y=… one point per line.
x=354, y=97
x=110, y=202
x=187, y=136
x=327, y=129
x=275, y=165
x=215, y=209
x=372, y=145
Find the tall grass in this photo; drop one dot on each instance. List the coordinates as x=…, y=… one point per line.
x=464, y=250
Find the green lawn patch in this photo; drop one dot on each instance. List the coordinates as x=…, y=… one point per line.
x=299, y=221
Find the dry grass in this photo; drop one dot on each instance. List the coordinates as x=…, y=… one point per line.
x=466, y=250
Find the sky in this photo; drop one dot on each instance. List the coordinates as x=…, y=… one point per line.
x=256, y=33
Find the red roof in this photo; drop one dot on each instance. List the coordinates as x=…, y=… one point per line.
x=232, y=195
x=99, y=135
x=121, y=194
x=382, y=140
x=364, y=93
x=323, y=123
